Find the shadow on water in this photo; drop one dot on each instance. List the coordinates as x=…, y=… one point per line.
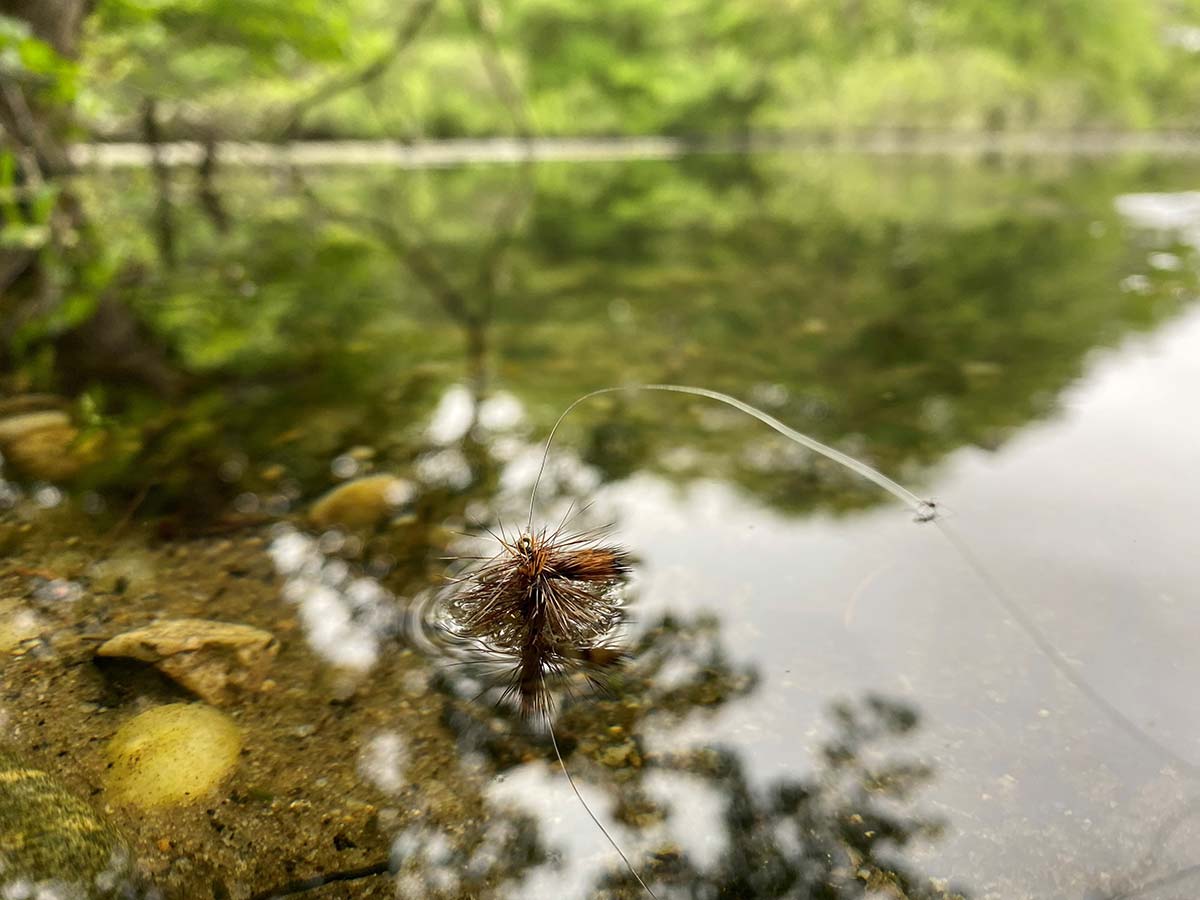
x=192, y=426
x=841, y=831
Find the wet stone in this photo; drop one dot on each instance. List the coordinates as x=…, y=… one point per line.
x=172, y=755
x=39, y=440
x=19, y=626
x=214, y=660
x=361, y=503
x=620, y=756
x=24, y=403
x=53, y=844
x=45, y=453
x=14, y=427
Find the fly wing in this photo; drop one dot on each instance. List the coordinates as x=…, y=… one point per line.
x=591, y=565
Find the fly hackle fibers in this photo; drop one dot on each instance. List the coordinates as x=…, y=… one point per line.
x=549, y=605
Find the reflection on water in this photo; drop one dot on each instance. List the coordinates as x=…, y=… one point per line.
x=294, y=424
x=345, y=618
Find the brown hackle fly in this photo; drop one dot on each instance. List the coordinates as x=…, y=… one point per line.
x=547, y=602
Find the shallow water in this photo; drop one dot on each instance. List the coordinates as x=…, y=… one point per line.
x=823, y=699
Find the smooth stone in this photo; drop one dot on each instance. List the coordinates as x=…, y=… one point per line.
x=16, y=426
x=619, y=756
x=48, y=452
x=18, y=624
x=172, y=755
x=40, y=441
x=362, y=502
x=23, y=403
x=53, y=844
x=214, y=660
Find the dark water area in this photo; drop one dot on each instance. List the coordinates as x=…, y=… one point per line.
x=340, y=378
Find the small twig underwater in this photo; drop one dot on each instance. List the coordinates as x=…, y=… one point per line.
x=311, y=884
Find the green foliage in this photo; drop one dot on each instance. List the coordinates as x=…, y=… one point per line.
x=902, y=307
x=206, y=55
x=639, y=67
x=24, y=209
x=636, y=67
x=73, y=269
x=262, y=30
x=34, y=63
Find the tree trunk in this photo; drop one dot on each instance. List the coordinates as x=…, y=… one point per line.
x=112, y=342
x=57, y=22
x=35, y=133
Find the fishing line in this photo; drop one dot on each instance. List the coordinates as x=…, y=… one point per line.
x=588, y=809
x=1157, y=883
x=908, y=498
x=923, y=511
x=1055, y=657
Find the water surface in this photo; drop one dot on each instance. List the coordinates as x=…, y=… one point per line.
x=823, y=700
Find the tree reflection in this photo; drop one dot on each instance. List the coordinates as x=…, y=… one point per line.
x=840, y=832
x=335, y=311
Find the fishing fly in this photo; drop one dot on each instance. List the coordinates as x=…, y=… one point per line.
x=547, y=602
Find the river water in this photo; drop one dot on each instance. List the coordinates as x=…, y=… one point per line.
x=824, y=697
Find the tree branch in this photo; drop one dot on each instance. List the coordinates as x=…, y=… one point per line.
x=412, y=254
x=406, y=33
x=19, y=121
x=502, y=83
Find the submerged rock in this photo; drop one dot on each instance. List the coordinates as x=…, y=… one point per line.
x=214, y=660
x=52, y=844
x=42, y=443
x=620, y=756
x=23, y=403
x=21, y=424
x=45, y=453
x=19, y=626
x=172, y=755
x=362, y=502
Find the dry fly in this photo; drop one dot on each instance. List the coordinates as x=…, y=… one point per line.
x=549, y=602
